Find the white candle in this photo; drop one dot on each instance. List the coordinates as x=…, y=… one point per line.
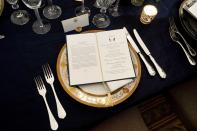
x=150, y=10
x=148, y=14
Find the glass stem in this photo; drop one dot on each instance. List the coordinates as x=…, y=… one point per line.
x=103, y=10
x=15, y=6
x=117, y=4
x=50, y=2
x=38, y=17
x=83, y=6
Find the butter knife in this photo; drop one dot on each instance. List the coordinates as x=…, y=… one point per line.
x=150, y=69
x=140, y=41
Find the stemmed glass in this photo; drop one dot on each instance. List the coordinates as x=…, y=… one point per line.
x=96, y=4
x=39, y=26
x=101, y=20
x=80, y=10
x=114, y=10
x=52, y=11
x=19, y=17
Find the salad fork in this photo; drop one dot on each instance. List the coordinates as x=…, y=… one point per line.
x=42, y=91
x=175, y=29
x=50, y=80
x=175, y=39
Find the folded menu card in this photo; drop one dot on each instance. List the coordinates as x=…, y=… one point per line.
x=99, y=88
x=191, y=8
x=98, y=57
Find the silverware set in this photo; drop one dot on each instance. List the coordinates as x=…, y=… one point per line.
x=176, y=35
x=150, y=69
x=49, y=77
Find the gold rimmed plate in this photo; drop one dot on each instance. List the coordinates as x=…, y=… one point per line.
x=92, y=99
x=188, y=22
x=1, y=6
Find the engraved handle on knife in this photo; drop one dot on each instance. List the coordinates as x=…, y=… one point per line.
x=159, y=69
x=150, y=69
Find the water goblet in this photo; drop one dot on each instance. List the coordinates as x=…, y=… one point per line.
x=52, y=11
x=18, y=17
x=39, y=26
x=101, y=20
x=96, y=4
x=80, y=10
x=114, y=10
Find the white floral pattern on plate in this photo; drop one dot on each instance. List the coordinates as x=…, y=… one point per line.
x=83, y=97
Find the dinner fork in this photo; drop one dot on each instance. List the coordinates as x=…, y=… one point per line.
x=42, y=91
x=50, y=80
x=175, y=39
x=175, y=29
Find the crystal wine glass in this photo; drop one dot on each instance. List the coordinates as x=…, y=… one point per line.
x=52, y=11
x=18, y=17
x=96, y=4
x=101, y=20
x=39, y=26
x=80, y=10
x=114, y=10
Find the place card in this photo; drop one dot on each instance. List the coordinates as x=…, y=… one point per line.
x=75, y=22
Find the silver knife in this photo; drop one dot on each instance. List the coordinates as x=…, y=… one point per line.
x=150, y=69
x=159, y=69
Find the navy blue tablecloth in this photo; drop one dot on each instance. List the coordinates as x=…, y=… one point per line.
x=23, y=52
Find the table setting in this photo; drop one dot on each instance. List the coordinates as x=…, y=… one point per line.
x=49, y=74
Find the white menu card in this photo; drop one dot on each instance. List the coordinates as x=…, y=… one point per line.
x=98, y=57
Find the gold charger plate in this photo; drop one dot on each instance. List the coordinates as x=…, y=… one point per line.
x=188, y=22
x=1, y=6
x=83, y=97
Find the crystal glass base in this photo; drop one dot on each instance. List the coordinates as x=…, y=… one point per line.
x=101, y=21
x=20, y=17
x=137, y=2
x=52, y=12
x=114, y=12
x=80, y=11
x=39, y=28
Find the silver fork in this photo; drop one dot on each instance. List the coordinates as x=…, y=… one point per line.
x=42, y=91
x=50, y=80
x=175, y=39
x=175, y=29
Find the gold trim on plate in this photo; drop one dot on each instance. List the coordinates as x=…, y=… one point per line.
x=98, y=101
x=1, y=6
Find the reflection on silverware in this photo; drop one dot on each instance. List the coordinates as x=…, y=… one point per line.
x=42, y=91
x=175, y=39
x=2, y=36
x=150, y=69
x=50, y=79
x=161, y=72
x=174, y=28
